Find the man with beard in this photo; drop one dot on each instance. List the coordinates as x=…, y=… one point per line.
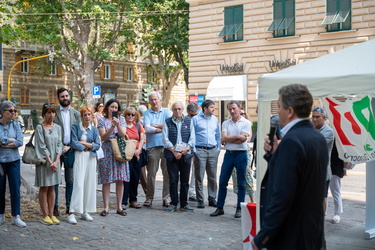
x=65, y=117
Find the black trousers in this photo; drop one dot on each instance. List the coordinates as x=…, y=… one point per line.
x=131, y=187
x=179, y=169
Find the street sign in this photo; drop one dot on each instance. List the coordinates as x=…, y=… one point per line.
x=96, y=91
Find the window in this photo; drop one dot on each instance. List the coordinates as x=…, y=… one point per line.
x=283, y=18
x=107, y=72
x=233, y=24
x=25, y=96
x=25, y=65
x=338, y=15
x=130, y=74
x=52, y=97
x=53, y=69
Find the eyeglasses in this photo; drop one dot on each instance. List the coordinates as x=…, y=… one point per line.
x=11, y=110
x=49, y=105
x=130, y=114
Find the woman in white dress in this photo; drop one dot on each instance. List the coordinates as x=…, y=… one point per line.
x=85, y=141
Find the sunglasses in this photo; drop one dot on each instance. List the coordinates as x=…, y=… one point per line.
x=130, y=114
x=49, y=105
x=11, y=110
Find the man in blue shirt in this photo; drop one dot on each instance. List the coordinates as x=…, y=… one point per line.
x=207, y=133
x=153, y=121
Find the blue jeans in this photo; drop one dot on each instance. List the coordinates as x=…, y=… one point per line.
x=12, y=170
x=131, y=187
x=232, y=160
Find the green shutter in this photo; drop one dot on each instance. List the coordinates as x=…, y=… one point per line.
x=228, y=21
x=233, y=23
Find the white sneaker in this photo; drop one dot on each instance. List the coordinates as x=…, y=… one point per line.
x=2, y=219
x=71, y=219
x=16, y=220
x=86, y=216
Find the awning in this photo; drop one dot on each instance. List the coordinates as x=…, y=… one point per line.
x=223, y=88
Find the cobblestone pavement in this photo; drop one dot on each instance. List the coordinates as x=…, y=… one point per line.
x=153, y=228
x=145, y=228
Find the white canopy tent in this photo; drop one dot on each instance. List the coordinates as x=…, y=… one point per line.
x=350, y=71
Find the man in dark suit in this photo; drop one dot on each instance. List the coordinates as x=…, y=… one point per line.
x=292, y=189
x=66, y=116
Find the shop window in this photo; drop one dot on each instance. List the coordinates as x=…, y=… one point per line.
x=233, y=24
x=338, y=16
x=283, y=18
x=25, y=96
x=52, y=97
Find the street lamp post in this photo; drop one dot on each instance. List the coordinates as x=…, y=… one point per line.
x=29, y=59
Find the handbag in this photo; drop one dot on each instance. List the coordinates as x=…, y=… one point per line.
x=129, y=150
x=116, y=150
x=126, y=148
x=29, y=155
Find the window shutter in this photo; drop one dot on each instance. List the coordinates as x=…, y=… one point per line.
x=125, y=73
x=135, y=70
x=47, y=69
x=19, y=66
x=238, y=14
x=102, y=72
x=59, y=71
x=31, y=66
x=228, y=15
x=113, y=72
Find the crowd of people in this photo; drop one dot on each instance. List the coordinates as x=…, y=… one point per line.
x=186, y=146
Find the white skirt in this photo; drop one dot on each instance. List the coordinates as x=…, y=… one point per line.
x=84, y=185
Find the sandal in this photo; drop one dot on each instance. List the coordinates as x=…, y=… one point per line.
x=135, y=205
x=336, y=219
x=104, y=213
x=147, y=203
x=123, y=213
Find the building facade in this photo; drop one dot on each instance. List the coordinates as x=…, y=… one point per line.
x=35, y=82
x=232, y=43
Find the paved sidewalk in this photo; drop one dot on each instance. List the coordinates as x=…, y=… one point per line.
x=153, y=228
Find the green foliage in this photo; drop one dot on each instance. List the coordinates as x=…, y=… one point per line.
x=163, y=30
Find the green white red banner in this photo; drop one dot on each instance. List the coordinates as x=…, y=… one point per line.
x=354, y=126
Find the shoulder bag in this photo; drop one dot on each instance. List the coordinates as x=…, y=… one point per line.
x=29, y=155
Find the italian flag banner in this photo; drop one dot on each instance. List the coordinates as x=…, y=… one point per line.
x=354, y=127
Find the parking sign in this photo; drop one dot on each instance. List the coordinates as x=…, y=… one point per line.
x=96, y=91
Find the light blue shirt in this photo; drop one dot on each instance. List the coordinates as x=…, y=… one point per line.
x=12, y=130
x=207, y=130
x=167, y=143
x=151, y=118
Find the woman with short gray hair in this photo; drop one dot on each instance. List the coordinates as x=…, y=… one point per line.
x=11, y=138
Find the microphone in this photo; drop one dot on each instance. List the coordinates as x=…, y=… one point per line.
x=274, y=123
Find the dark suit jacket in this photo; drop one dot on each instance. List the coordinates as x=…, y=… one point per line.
x=292, y=192
x=75, y=118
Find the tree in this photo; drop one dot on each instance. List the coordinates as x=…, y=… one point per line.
x=83, y=33
x=162, y=36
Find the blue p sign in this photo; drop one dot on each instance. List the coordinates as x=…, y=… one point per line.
x=96, y=91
